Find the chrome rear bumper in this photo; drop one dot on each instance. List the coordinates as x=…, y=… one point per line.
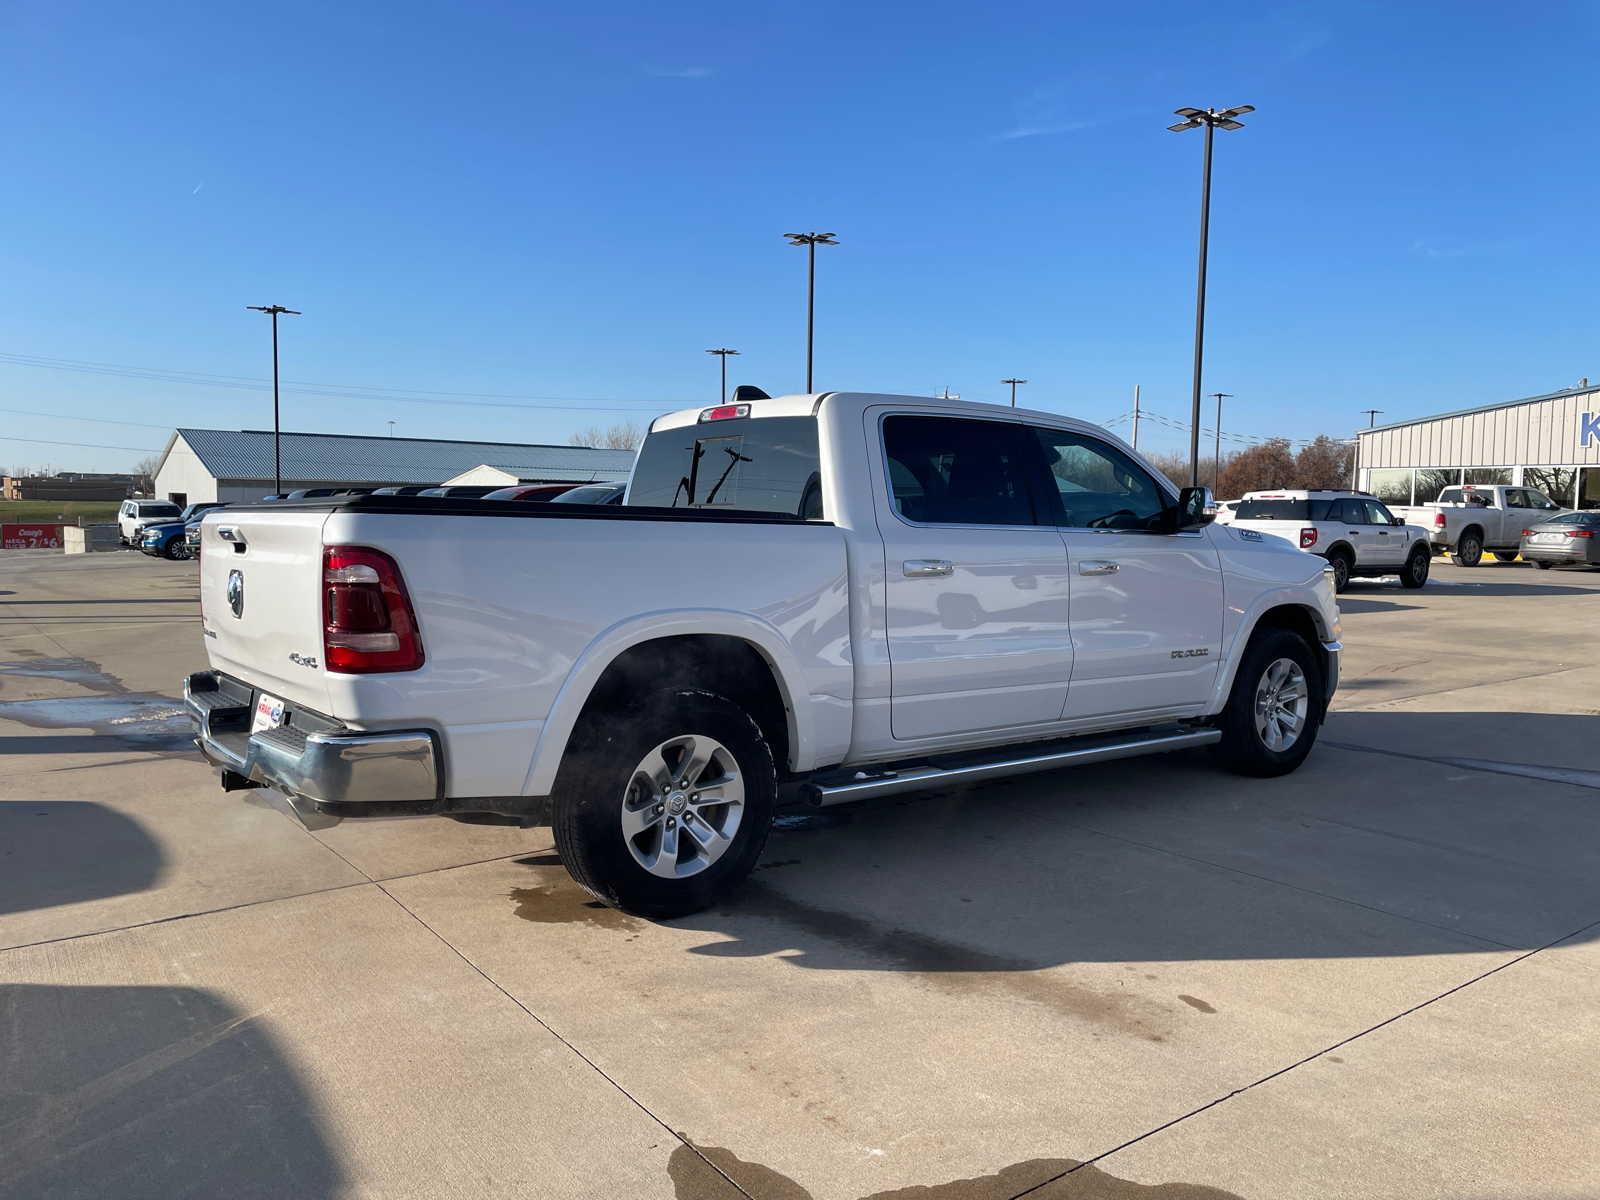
x=334, y=766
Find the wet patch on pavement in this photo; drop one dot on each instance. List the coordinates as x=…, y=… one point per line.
x=704, y=1172
x=949, y=966
x=562, y=902
x=141, y=720
x=68, y=670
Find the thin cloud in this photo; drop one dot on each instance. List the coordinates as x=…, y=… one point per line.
x=1041, y=130
x=197, y=187
x=685, y=73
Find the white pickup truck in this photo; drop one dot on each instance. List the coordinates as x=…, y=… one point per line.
x=824, y=598
x=1467, y=522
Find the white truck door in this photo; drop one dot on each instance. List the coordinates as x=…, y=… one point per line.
x=1146, y=605
x=977, y=588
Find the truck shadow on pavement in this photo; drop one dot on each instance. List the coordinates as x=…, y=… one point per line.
x=151, y=1092
x=1372, y=849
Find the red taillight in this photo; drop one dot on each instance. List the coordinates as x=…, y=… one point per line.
x=1438, y=520
x=1308, y=537
x=1581, y=533
x=367, y=621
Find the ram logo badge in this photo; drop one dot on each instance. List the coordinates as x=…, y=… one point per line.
x=236, y=592
x=1200, y=653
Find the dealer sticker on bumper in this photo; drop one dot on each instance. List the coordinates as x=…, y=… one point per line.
x=269, y=713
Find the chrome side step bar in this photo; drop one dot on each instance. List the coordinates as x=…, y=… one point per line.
x=841, y=787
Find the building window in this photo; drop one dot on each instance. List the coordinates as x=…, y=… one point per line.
x=1555, y=482
x=1588, y=487
x=1488, y=476
x=1390, y=486
x=1433, y=480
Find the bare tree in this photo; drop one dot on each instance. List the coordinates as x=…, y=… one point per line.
x=1326, y=463
x=144, y=473
x=625, y=435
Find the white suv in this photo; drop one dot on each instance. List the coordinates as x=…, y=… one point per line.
x=1353, y=531
x=134, y=515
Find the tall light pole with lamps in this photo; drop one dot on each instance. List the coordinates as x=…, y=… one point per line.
x=811, y=240
x=277, y=437
x=1211, y=119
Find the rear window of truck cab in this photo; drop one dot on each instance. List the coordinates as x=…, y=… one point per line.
x=750, y=464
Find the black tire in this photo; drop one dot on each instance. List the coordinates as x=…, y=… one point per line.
x=1243, y=747
x=1468, y=551
x=174, y=548
x=601, y=783
x=1505, y=556
x=1340, y=561
x=1415, y=573
x=1543, y=566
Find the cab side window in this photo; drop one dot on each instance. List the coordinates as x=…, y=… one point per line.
x=1517, y=498
x=1377, y=514
x=1350, y=512
x=1096, y=486
x=954, y=471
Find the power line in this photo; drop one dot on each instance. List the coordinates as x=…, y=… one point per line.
x=336, y=390
x=80, y=445
x=22, y=412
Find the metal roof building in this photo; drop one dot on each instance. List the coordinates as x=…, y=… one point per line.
x=1549, y=442
x=233, y=464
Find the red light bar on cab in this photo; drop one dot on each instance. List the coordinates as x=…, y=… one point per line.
x=725, y=412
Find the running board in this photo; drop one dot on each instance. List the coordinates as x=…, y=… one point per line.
x=841, y=787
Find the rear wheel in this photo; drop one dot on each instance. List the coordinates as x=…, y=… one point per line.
x=662, y=810
x=1469, y=550
x=1505, y=556
x=1270, y=723
x=1543, y=566
x=1340, y=562
x=1415, y=573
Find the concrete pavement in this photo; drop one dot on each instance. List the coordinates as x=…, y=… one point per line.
x=1373, y=978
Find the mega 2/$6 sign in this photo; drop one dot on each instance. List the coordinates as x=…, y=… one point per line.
x=30, y=537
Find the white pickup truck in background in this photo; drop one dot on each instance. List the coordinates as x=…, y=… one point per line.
x=840, y=595
x=1468, y=521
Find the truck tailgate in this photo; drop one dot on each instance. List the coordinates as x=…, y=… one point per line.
x=268, y=629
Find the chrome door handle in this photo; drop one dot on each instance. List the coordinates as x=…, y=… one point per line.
x=928, y=568
x=1097, y=566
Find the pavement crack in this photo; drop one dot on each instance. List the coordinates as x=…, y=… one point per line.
x=1575, y=776
x=546, y=1026
x=1223, y=1099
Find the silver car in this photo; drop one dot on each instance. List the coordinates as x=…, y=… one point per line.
x=1572, y=537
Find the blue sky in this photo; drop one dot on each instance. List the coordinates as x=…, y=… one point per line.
x=556, y=209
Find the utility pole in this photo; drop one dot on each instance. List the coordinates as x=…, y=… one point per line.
x=1372, y=415
x=277, y=436
x=812, y=240
x=1013, y=383
x=1136, y=416
x=1216, y=455
x=723, y=354
x=1211, y=119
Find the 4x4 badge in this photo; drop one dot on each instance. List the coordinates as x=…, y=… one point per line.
x=236, y=592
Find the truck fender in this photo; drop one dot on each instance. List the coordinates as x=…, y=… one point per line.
x=649, y=627
x=1298, y=597
x=1345, y=546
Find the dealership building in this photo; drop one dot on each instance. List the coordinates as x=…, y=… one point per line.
x=1549, y=442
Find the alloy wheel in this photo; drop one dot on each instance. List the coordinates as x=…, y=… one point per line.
x=683, y=806
x=1282, y=702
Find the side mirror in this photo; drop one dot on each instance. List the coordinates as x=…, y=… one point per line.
x=1397, y=520
x=1195, y=510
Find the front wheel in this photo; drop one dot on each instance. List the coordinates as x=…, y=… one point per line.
x=175, y=548
x=662, y=810
x=1270, y=723
x=1468, y=551
x=1415, y=573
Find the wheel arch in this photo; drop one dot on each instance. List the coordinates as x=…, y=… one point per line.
x=1341, y=547
x=1466, y=529
x=1295, y=611
x=734, y=654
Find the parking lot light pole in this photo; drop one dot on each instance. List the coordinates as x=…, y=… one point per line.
x=812, y=240
x=277, y=437
x=1013, y=383
x=1216, y=455
x=1211, y=119
x=723, y=354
